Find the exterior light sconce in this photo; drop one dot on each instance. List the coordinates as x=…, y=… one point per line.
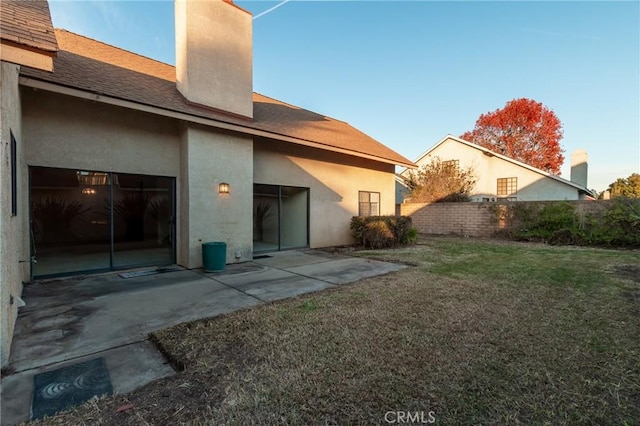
x=223, y=188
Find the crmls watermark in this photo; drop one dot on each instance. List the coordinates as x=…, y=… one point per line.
x=400, y=417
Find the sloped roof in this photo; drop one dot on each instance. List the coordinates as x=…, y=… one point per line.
x=505, y=158
x=92, y=66
x=28, y=23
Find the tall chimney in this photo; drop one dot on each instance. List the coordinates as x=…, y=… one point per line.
x=214, y=55
x=579, y=167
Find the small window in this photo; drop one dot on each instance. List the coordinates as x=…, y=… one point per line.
x=369, y=203
x=14, y=175
x=507, y=186
x=451, y=163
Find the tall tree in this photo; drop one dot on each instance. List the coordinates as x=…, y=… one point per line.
x=629, y=187
x=524, y=130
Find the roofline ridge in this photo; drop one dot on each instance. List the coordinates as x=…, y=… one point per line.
x=299, y=107
x=114, y=47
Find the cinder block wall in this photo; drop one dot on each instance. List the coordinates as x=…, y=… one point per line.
x=474, y=219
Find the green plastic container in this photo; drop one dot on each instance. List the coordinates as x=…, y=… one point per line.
x=214, y=256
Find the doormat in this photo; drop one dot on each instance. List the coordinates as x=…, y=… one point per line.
x=262, y=256
x=154, y=271
x=68, y=387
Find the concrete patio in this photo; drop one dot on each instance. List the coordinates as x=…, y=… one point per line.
x=76, y=319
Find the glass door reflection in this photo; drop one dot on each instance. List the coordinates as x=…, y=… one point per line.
x=88, y=220
x=280, y=217
x=142, y=219
x=70, y=230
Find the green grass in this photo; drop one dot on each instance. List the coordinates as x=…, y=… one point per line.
x=479, y=332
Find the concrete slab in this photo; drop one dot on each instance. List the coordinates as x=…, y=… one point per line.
x=346, y=270
x=80, y=320
x=130, y=367
x=269, y=284
x=234, y=269
x=258, y=275
x=290, y=259
x=285, y=288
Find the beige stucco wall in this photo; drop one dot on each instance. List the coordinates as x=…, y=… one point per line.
x=62, y=131
x=333, y=180
x=208, y=159
x=532, y=186
x=12, y=248
x=214, y=55
x=66, y=132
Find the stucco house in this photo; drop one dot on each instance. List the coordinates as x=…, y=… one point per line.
x=500, y=178
x=112, y=160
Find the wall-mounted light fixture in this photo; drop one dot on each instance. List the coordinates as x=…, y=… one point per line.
x=223, y=188
x=89, y=191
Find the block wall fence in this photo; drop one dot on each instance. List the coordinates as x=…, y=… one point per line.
x=476, y=219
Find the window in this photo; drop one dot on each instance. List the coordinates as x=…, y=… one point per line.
x=507, y=186
x=14, y=175
x=369, y=204
x=451, y=163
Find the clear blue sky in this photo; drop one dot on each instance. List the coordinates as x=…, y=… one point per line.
x=410, y=72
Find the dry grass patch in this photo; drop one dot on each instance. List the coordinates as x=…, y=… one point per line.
x=480, y=332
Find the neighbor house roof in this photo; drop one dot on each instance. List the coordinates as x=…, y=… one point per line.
x=27, y=23
x=503, y=157
x=95, y=67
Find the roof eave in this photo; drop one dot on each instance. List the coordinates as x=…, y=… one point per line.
x=111, y=100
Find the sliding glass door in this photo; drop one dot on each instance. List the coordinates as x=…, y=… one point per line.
x=70, y=226
x=280, y=217
x=88, y=220
x=142, y=220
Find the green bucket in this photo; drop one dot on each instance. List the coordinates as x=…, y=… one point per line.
x=214, y=256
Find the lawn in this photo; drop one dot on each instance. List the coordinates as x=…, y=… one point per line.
x=478, y=332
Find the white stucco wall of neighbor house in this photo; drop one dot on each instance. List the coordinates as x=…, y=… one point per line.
x=208, y=159
x=531, y=186
x=334, y=181
x=12, y=249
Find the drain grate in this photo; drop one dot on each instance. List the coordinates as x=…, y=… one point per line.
x=68, y=387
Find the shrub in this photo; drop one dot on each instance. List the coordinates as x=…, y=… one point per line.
x=559, y=223
x=412, y=236
x=620, y=224
x=377, y=234
x=383, y=231
x=555, y=223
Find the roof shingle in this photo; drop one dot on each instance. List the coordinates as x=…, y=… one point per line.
x=96, y=67
x=28, y=23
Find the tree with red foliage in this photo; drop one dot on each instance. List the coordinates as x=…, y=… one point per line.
x=524, y=130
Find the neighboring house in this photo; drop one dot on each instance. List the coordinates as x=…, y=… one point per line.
x=112, y=160
x=500, y=178
x=402, y=188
